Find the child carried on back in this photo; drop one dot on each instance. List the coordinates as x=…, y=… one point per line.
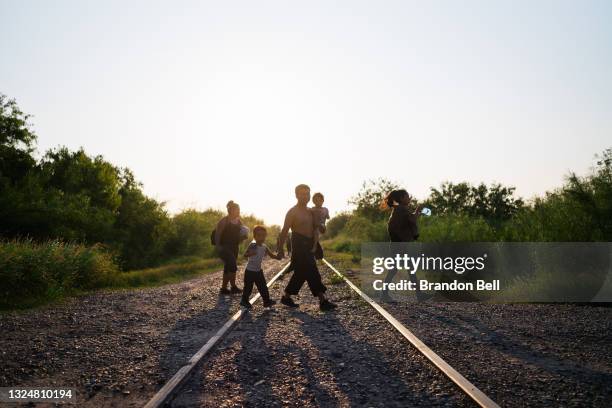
x=253, y=274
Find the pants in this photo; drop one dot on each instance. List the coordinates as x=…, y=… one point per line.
x=391, y=274
x=257, y=278
x=305, y=266
x=318, y=255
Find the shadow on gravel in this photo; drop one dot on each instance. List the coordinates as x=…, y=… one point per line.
x=362, y=373
x=560, y=366
x=253, y=368
x=188, y=335
x=254, y=362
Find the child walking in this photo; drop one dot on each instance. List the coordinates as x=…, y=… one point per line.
x=320, y=215
x=253, y=273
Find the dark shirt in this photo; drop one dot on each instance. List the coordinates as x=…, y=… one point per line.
x=402, y=225
x=228, y=234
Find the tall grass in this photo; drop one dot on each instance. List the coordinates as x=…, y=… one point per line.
x=447, y=228
x=172, y=272
x=32, y=273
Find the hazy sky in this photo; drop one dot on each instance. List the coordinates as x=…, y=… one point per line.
x=211, y=101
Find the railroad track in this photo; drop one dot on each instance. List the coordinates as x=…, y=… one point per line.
x=170, y=389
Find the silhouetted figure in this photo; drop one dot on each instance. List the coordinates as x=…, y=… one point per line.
x=402, y=227
x=300, y=220
x=228, y=235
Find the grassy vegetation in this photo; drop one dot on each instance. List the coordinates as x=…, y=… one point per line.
x=32, y=274
x=91, y=225
x=335, y=279
x=35, y=273
x=448, y=228
x=340, y=260
x=170, y=273
x=545, y=286
x=578, y=211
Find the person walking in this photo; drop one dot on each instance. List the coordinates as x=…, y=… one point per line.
x=228, y=234
x=402, y=227
x=301, y=221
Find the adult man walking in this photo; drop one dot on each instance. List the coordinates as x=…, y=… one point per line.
x=300, y=220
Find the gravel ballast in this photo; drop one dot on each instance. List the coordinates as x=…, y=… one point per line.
x=117, y=348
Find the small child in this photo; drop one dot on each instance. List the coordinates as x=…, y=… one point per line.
x=320, y=215
x=253, y=273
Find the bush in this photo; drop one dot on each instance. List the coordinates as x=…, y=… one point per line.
x=177, y=270
x=337, y=224
x=31, y=273
x=455, y=228
x=357, y=229
x=362, y=229
x=191, y=229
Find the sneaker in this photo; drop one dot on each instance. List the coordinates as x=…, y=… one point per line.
x=326, y=305
x=287, y=301
x=269, y=303
x=224, y=291
x=246, y=304
x=235, y=289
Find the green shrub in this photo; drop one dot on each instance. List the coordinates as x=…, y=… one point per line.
x=31, y=273
x=337, y=224
x=364, y=230
x=455, y=228
x=179, y=269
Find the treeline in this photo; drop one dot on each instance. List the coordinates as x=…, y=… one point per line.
x=70, y=196
x=579, y=210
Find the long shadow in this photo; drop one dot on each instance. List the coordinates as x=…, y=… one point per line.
x=254, y=362
x=506, y=345
x=257, y=364
x=368, y=378
x=188, y=335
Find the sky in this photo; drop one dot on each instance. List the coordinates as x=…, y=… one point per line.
x=242, y=100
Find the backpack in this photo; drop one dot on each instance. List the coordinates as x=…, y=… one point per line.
x=212, y=236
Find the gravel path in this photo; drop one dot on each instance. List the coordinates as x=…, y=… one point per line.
x=306, y=358
x=117, y=348
x=536, y=355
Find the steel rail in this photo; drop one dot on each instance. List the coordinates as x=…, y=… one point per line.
x=165, y=393
x=470, y=389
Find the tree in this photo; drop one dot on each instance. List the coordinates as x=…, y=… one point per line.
x=191, y=230
x=142, y=226
x=593, y=195
x=74, y=197
x=452, y=198
x=368, y=201
x=495, y=203
x=337, y=224
x=77, y=173
x=16, y=143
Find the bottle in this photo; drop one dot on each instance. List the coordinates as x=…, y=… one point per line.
x=426, y=211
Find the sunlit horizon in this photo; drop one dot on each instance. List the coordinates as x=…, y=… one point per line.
x=209, y=102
